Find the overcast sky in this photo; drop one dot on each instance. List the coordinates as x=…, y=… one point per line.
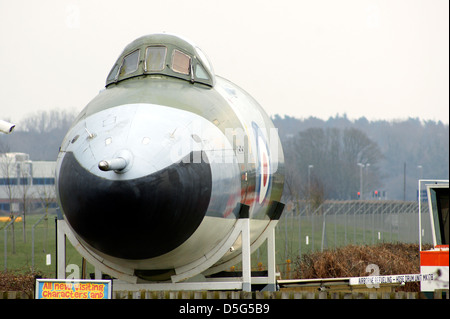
x=378, y=59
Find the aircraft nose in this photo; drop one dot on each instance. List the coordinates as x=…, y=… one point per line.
x=128, y=199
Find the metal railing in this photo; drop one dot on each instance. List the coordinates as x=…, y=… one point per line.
x=358, y=222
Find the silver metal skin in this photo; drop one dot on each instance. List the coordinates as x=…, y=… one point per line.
x=142, y=126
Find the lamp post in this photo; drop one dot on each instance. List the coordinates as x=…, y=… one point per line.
x=309, y=179
x=367, y=176
x=309, y=186
x=361, y=180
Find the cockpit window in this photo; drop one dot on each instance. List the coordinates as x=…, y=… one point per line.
x=201, y=73
x=181, y=62
x=156, y=55
x=130, y=63
x=155, y=58
x=204, y=58
x=113, y=73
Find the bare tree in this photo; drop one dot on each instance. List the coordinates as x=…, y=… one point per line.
x=47, y=195
x=333, y=153
x=9, y=181
x=24, y=184
x=40, y=134
x=46, y=121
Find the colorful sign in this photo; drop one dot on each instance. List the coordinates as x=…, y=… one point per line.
x=73, y=289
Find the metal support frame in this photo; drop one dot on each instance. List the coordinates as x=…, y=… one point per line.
x=185, y=278
x=60, y=249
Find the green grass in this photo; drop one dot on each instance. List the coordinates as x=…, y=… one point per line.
x=338, y=233
x=21, y=259
x=287, y=238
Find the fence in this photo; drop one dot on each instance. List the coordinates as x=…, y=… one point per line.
x=301, y=229
x=31, y=247
x=333, y=224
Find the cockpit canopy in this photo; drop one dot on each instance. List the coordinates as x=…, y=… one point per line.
x=162, y=54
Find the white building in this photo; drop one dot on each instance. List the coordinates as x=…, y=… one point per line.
x=25, y=184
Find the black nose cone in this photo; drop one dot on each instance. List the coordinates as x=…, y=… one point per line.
x=138, y=218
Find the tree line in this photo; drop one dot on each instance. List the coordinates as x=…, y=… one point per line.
x=332, y=163
x=387, y=156
x=39, y=134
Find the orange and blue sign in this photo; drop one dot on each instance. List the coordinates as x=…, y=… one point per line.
x=73, y=289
